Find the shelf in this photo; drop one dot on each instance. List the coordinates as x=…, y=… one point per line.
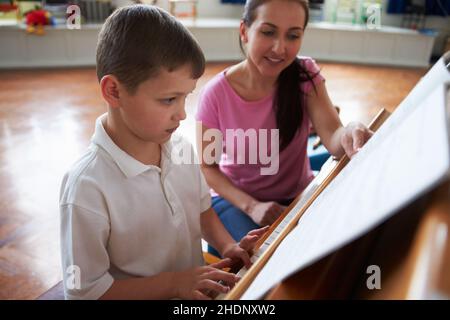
x=219, y=39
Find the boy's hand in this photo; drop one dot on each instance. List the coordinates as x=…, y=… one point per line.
x=241, y=251
x=198, y=283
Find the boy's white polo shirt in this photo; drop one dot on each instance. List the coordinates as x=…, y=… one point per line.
x=121, y=218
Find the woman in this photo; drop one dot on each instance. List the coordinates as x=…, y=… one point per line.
x=271, y=89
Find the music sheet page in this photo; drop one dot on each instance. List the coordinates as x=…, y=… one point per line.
x=407, y=156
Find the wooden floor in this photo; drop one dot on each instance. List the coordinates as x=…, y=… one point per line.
x=46, y=120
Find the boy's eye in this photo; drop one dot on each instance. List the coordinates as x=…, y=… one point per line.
x=168, y=101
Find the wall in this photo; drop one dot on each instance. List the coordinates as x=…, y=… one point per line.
x=206, y=8
x=218, y=39
x=213, y=8
x=441, y=24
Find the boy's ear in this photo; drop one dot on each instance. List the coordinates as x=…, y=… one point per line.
x=243, y=32
x=111, y=90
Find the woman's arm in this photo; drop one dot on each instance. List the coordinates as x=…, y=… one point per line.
x=263, y=213
x=219, y=181
x=325, y=119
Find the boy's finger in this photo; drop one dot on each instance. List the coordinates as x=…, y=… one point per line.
x=247, y=242
x=219, y=275
x=243, y=255
x=200, y=296
x=224, y=263
x=258, y=231
x=249, y=238
x=213, y=286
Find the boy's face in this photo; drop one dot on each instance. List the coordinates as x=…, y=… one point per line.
x=155, y=110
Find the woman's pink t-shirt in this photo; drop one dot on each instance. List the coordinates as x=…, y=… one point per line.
x=220, y=107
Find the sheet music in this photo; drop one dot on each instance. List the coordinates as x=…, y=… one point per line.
x=407, y=156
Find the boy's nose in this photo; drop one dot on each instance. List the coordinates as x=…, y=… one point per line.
x=181, y=113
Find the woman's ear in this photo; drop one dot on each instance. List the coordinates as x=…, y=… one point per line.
x=243, y=32
x=111, y=90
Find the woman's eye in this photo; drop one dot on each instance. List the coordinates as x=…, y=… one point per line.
x=293, y=36
x=267, y=33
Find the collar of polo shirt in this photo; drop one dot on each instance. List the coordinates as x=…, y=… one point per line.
x=127, y=164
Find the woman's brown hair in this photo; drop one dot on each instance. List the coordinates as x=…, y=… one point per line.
x=289, y=99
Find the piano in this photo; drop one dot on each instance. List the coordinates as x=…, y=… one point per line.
x=411, y=248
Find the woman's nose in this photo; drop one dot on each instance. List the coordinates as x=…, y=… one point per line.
x=278, y=47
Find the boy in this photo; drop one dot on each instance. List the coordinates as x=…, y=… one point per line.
x=132, y=219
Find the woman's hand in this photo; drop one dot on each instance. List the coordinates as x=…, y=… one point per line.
x=243, y=250
x=354, y=137
x=265, y=213
x=203, y=282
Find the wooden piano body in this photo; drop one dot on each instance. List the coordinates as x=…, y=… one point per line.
x=412, y=250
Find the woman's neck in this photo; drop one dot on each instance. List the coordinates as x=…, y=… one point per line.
x=255, y=80
x=248, y=83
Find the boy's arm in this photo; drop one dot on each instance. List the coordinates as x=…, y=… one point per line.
x=214, y=232
x=161, y=286
x=85, y=260
x=192, y=283
x=84, y=240
x=84, y=236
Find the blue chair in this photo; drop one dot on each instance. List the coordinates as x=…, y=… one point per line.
x=317, y=157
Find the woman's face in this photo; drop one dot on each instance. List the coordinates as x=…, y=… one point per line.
x=274, y=38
